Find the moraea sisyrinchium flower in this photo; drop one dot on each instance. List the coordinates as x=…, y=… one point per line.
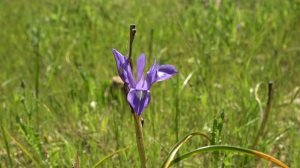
x=139, y=87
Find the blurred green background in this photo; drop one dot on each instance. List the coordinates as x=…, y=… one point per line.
x=57, y=98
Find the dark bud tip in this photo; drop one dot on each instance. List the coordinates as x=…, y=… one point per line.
x=132, y=26
x=22, y=84
x=133, y=32
x=222, y=115
x=270, y=83
x=142, y=121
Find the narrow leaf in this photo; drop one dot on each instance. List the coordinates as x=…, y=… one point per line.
x=230, y=148
x=109, y=156
x=6, y=146
x=24, y=150
x=178, y=145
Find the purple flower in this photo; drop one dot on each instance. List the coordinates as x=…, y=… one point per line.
x=139, y=87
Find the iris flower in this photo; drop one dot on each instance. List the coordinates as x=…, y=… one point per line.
x=139, y=87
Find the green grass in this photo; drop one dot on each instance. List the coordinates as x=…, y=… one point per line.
x=56, y=59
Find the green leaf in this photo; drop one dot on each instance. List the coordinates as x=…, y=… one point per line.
x=175, y=149
x=229, y=148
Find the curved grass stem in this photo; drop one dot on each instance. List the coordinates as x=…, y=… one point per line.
x=265, y=113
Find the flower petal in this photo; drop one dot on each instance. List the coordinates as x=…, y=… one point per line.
x=152, y=74
x=142, y=84
x=124, y=68
x=120, y=61
x=138, y=100
x=128, y=74
x=141, y=61
x=165, y=72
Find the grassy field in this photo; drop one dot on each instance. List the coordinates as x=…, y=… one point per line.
x=57, y=99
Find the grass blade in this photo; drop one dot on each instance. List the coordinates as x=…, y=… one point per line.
x=23, y=149
x=6, y=146
x=109, y=156
x=175, y=149
x=230, y=148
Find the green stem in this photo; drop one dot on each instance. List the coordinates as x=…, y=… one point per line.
x=139, y=139
x=137, y=119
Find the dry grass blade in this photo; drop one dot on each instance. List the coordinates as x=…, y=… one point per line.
x=187, y=79
x=264, y=113
x=258, y=99
x=76, y=163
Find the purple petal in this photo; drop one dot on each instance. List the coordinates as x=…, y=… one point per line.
x=120, y=61
x=152, y=74
x=138, y=100
x=124, y=68
x=128, y=75
x=165, y=72
x=142, y=84
x=140, y=67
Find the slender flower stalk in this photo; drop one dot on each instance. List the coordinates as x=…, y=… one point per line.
x=139, y=138
x=137, y=122
x=137, y=89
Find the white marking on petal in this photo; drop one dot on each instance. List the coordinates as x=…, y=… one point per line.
x=160, y=74
x=140, y=94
